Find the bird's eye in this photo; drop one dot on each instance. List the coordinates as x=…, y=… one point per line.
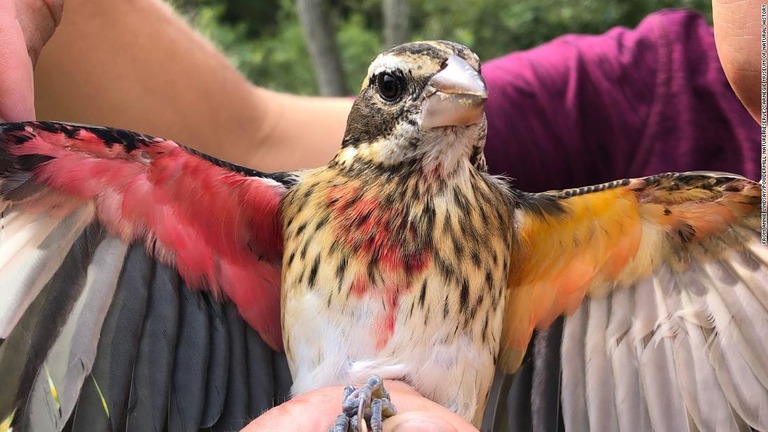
x=389, y=86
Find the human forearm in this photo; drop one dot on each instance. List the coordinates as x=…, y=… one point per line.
x=136, y=64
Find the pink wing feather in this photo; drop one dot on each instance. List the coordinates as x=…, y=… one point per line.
x=217, y=223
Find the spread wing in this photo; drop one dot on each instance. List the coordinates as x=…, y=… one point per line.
x=664, y=284
x=128, y=266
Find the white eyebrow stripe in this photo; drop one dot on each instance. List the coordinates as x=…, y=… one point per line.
x=386, y=63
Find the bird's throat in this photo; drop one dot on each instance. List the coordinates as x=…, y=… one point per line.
x=379, y=230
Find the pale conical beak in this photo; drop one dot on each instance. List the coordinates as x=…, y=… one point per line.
x=455, y=96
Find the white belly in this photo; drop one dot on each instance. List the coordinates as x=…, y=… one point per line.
x=353, y=305
x=344, y=345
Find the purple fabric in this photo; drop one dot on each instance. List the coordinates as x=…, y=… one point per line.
x=588, y=109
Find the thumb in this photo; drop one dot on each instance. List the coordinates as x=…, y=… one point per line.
x=38, y=20
x=16, y=88
x=25, y=26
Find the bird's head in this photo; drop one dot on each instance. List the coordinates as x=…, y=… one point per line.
x=421, y=106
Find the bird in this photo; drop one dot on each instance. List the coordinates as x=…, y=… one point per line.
x=141, y=276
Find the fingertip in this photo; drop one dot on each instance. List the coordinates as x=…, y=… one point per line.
x=16, y=77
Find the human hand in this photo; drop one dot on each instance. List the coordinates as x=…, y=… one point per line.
x=25, y=26
x=737, y=35
x=317, y=409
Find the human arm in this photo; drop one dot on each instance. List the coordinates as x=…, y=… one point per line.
x=198, y=98
x=631, y=102
x=136, y=64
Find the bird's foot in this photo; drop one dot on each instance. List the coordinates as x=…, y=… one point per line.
x=364, y=406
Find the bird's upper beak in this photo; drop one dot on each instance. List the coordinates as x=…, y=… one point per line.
x=455, y=96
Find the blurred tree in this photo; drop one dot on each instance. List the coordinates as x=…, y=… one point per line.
x=258, y=16
x=320, y=36
x=264, y=38
x=496, y=27
x=396, y=16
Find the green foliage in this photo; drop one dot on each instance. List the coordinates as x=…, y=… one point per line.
x=276, y=58
x=358, y=46
x=497, y=27
x=267, y=45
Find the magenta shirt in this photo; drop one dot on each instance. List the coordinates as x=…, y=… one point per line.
x=588, y=109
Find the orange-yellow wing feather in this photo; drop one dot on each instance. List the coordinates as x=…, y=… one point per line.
x=665, y=286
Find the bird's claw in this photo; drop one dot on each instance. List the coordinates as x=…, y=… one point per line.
x=371, y=403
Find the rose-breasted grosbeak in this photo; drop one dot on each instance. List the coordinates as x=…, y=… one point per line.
x=402, y=258
x=397, y=251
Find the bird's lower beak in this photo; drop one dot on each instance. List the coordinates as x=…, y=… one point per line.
x=455, y=96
